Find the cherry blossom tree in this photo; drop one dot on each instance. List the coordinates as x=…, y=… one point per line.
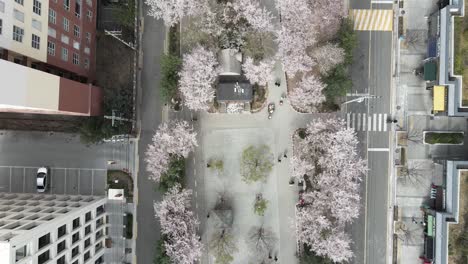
x=172, y=11
x=327, y=15
x=328, y=56
x=259, y=18
x=293, y=37
x=307, y=94
x=179, y=224
x=333, y=198
x=258, y=72
x=175, y=138
x=197, y=77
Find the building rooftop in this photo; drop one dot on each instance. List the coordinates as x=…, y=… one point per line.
x=234, y=89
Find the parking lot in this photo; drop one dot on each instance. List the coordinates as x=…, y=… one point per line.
x=62, y=180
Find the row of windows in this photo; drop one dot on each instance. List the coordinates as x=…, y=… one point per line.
x=66, y=6
x=18, y=34
x=64, y=55
x=37, y=5
x=66, y=22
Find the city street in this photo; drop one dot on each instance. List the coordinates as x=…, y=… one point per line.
x=372, y=76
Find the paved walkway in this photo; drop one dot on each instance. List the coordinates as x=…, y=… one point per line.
x=284, y=122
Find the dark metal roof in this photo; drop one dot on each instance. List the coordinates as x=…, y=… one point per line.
x=234, y=89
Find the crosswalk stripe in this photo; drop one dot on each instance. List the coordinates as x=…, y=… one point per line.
x=385, y=122
x=348, y=119
x=369, y=123
x=358, y=121
x=364, y=119
x=353, y=122
x=374, y=123
x=380, y=122
x=372, y=19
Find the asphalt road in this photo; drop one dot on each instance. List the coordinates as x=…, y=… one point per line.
x=149, y=117
x=371, y=74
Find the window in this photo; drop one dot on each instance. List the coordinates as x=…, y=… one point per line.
x=88, y=217
x=21, y=253
x=64, y=39
x=76, y=223
x=37, y=7
x=52, y=32
x=64, y=54
x=76, y=31
x=89, y=15
x=35, y=41
x=78, y=9
x=52, y=16
x=87, y=50
x=18, y=34
x=61, y=246
x=86, y=63
x=43, y=258
x=66, y=24
x=88, y=37
x=89, y=2
x=86, y=256
x=37, y=24
x=99, y=210
x=44, y=241
x=66, y=5
x=21, y=2
x=76, y=59
x=75, y=251
x=18, y=15
x=99, y=222
x=76, y=45
x=61, y=260
x=76, y=236
x=1, y=26
x=87, y=230
x=87, y=242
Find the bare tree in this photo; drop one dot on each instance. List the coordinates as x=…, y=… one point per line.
x=415, y=135
x=415, y=38
x=412, y=173
x=223, y=245
x=409, y=236
x=261, y=239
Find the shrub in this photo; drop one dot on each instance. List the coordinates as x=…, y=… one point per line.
x=170, y=67
x=174, y=174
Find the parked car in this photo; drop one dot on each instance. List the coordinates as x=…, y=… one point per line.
x=42, y=179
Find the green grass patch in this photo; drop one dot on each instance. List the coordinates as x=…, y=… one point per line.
x=174, y=175
x=461, y=53
x=170, y=67
x=443, y=138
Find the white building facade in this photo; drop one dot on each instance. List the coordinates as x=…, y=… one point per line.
x=51, y=229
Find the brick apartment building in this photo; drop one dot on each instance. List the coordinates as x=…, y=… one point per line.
x=56, y=38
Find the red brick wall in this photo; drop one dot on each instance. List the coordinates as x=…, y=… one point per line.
x=79, y=98
x=85, y=25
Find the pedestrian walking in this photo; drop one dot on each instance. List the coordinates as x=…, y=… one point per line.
x=276, y=258
x=277, y=83
x=285, y=154
x=279, y=160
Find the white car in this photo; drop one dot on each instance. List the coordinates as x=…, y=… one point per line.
x=42, y=180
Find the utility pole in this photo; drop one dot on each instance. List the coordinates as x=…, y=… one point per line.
x=116, y=34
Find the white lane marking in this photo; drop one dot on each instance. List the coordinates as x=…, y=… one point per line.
x=374, y=123
x=348, y=120
x=364, y=119
x=358, y=122
x=195, y=183
x=369, y=123
x=354, y=121
x=385, y=122
x=378, y=149
x=92, y=182
x=382, y=2
x=196, y=194
x=380, y=122
x=10, y=179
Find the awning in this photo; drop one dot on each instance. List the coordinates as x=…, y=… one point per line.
x=430, y=71
x=439, y=98
x=430, y=225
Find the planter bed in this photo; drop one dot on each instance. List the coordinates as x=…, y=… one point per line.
x=443, y=138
